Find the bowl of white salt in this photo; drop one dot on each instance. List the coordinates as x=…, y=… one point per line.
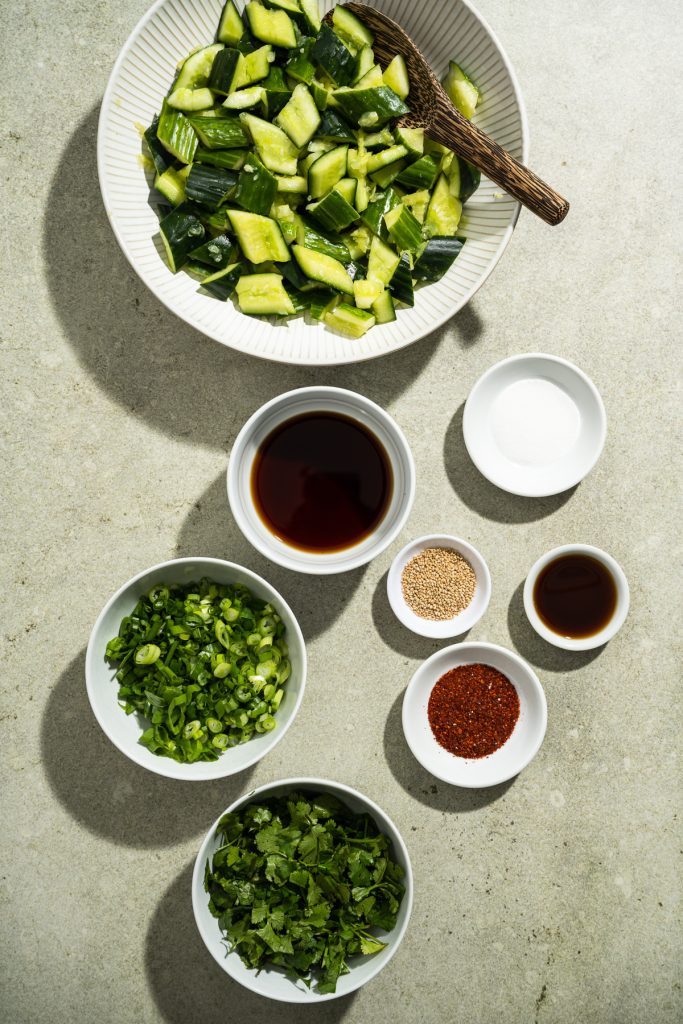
x=534, y=425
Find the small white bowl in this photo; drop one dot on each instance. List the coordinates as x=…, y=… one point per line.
x=508, y=760
x=296, y=403
x=273, y=982
x=125, y=730
x=498, y=453
x=587, y=643
x=442, y=628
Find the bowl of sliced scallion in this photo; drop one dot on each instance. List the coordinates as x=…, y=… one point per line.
x=196, y=668
x=275, y=202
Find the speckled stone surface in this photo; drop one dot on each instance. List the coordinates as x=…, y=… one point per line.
x=556, y=898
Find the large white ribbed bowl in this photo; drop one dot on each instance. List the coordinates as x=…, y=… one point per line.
x=443, y=29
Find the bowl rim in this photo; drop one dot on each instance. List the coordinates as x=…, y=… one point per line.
x=355, y=356
x=304, y=782
x=588, y=643
x=523, y=665
x=292, y=562
x=468, y=429
x=167, y=767
x=451, y=627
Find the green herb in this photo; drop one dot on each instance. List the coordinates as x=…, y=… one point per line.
x=302, y=882
x=204, y=663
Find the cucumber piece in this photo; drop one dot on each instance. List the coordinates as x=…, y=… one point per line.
x=263, y=295
x=276, y=150
x=351, y=29
x=191, y=99
x=379, y=140
x=233, y=159
x=412, y=138
x=349, y=320
x=366, y=60
x=230, y=26
x=437, y=258
x=256, y=187
x=444, y=210
x=382, y=261
x=372, y=79
x=226, y=71
x=176, y=134
x=299, y=117
x=171, y=184
x=357, y=163
x=309, y=9
x=333, y=212
x=219, y=132
x=296, y=183
x=255, y=66
x=277, y=91
x=358, y=241
x=216, y=253
x=181, y=232
x=320, y=94
x=245, y=99
x=470, y=179
x=161, y=158
x=290, y=6
x=401, y=284
x=222, y=284
x=365, y=293
x=274, y=27
x=326, y=171
x=320, y=146
x=319, y=301
x=347, y=188
x=309, y=238
x=299, y=65
x=405, y=230
x=384, y=102
x=373, y=216
x=395, y=76
x=385, y=175
x=209, y=186
x=461, y=90
x=260, y=238
x=335, y=128
x=293, y=275
x=420, y=174
x=319, y=267
x=362, y=200
x=385, y=157
x=196, y=69
x=334, y=57
x=383, y=308
x=418, y=203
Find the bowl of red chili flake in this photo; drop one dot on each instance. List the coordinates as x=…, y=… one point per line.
x=474, y=714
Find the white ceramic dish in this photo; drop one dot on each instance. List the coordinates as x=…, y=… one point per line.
x=272, y=982
x=557, y=463
x=124, y=731
x=295, y=403
x=508, y=760
x=588, y=643
x=443, y=29
x=439, y=629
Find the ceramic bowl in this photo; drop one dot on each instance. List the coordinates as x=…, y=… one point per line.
x=124, y=731
x=508, y=760
x=439, y=629
x=295, y=403
x=587, y=643
x=443, y=29
x=273, y=982
x=558, y=464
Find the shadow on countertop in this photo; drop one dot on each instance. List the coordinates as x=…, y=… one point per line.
x=148, y=360
x=210, y=530
x=537, y=650
x=399, y=637
x=484, y=497
x=189, y=986
x=110, y=795
x=421, y=784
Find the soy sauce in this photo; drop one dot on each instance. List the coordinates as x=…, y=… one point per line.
x=321, y=482
x=575, y=596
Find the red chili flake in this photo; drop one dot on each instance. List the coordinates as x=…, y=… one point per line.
x=472, y=710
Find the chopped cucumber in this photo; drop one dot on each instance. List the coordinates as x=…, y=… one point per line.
x=226, y=71
x=216, y=253
x=418, y=203
x=385, y=157
x=231, y=26
x=405, y=230
x=365, y=293
x=277, y=151
x=334, y=212
x=444, y=210
x=309, y=9
x=299, y=117
x=277, y=91
x=383, y=308
x=196, y=70
x=366, y=60
x=382, y=101
x=260, y=237
x=294, y=183
x=309, y=238
x=299, y=66
x=274, y=27
x=401, y=284
x=334, y=57
x=245, y=99
x=327, y=170
x=219, y=132
x=351, y=29
x=412, y=138
x=437, y=257
x=222, y=283
x=382, y=262
x=256, y=187
x=181, y=232
x=208, y=185
x=171, y=184
x=396, y=76
x=191, y=99
x=255, y=66
x=372, y=79
x=385, y=175
x=461, y=90
x=349, y=320
x=334, y=128
x=419, y=175
x=263, y=295
x=176, y=134
x=378, y=140
x=319, y=267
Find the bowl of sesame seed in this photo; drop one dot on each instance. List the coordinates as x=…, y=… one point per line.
x=439, y=586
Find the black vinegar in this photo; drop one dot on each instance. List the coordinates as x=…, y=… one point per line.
x=575, y=595
x=321, y=482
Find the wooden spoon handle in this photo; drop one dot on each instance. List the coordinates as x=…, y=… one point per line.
x=451, y=129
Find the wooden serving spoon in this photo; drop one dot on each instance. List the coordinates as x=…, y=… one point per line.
x=432, y=110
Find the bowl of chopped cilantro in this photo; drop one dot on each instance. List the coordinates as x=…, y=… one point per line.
x=196, y=668
x=302, y=890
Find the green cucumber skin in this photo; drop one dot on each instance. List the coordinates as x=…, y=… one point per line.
x=223, y=287
x=209, y=186
x=277, y=91
x=219, y=132
x=381, y=101
x=418, y=175
x=401, y=284
x=293, y=274
x=181, y=230
x=216, y=253
x=437, y=257
x=373, y=216
x=470, y=180
x=161, y=158
x=223, y=71
x=232, y=159
x=299, y=65
x=313, y=239
x=257, y=188
x=334, y=57
x=406, y=233
x=334, y=128
x=333, y=212
x=176, y=134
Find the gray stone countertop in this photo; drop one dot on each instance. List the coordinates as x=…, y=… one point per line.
x=556, y=898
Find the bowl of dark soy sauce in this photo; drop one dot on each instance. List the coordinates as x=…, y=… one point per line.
x=321, y=480
x=576, y=597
